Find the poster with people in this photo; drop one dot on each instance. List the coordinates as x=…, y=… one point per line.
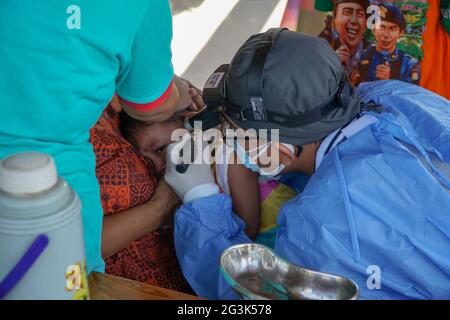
x=378, y=39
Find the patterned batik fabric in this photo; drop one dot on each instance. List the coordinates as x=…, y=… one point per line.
x=127, y=180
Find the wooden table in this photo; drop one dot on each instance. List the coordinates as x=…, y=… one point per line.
x=107, y=287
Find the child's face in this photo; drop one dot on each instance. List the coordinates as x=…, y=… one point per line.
x=152, y=142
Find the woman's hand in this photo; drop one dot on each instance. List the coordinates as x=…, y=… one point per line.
x=166, y=200
x=197, y=100
x=192, y=103
x=183, y=90
x=122, y=228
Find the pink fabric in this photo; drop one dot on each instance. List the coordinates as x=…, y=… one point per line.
x=266, y=187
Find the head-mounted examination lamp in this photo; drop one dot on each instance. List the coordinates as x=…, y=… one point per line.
x=213, y=96
x=216, y=91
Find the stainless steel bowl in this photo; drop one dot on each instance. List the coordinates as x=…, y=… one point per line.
x=255, y=272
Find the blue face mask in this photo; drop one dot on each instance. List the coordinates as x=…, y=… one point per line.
x=251, y=162
x=244, y=157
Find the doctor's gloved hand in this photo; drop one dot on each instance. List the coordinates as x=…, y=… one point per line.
x=189, y=181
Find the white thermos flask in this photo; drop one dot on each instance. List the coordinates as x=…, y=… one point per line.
x=41, y=237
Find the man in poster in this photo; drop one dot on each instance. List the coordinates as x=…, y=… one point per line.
x=346, y=31
x=384, y=60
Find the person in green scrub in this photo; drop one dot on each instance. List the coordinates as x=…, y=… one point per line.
x=61, y=63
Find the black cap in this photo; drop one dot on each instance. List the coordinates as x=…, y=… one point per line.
x=301, y=75
x=390, y=13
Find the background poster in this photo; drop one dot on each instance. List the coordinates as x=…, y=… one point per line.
x=391, y=49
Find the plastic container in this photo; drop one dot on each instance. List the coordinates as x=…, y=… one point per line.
x=41, y=237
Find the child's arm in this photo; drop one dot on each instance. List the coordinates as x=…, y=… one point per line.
x=244, y=191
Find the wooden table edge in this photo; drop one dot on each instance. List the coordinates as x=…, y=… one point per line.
x=108, y=287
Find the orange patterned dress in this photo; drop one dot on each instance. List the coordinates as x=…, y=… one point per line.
x=126, y=180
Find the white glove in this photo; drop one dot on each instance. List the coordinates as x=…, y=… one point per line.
x=195, y=182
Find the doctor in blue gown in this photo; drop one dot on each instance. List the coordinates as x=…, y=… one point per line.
x=376, y=208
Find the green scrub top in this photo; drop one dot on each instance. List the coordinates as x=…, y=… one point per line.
x=60, y=63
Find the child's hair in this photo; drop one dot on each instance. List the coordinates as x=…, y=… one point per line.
x=129, y=126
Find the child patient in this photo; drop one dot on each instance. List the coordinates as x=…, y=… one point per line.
x=256, y=200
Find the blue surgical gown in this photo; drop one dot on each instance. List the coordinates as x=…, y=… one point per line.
x=377, y=209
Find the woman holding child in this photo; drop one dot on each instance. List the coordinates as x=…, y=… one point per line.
x=58, y=77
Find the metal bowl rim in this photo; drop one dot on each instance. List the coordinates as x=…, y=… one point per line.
x=241, y=245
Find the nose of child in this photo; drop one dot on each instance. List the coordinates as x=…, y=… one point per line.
x=160, y=165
